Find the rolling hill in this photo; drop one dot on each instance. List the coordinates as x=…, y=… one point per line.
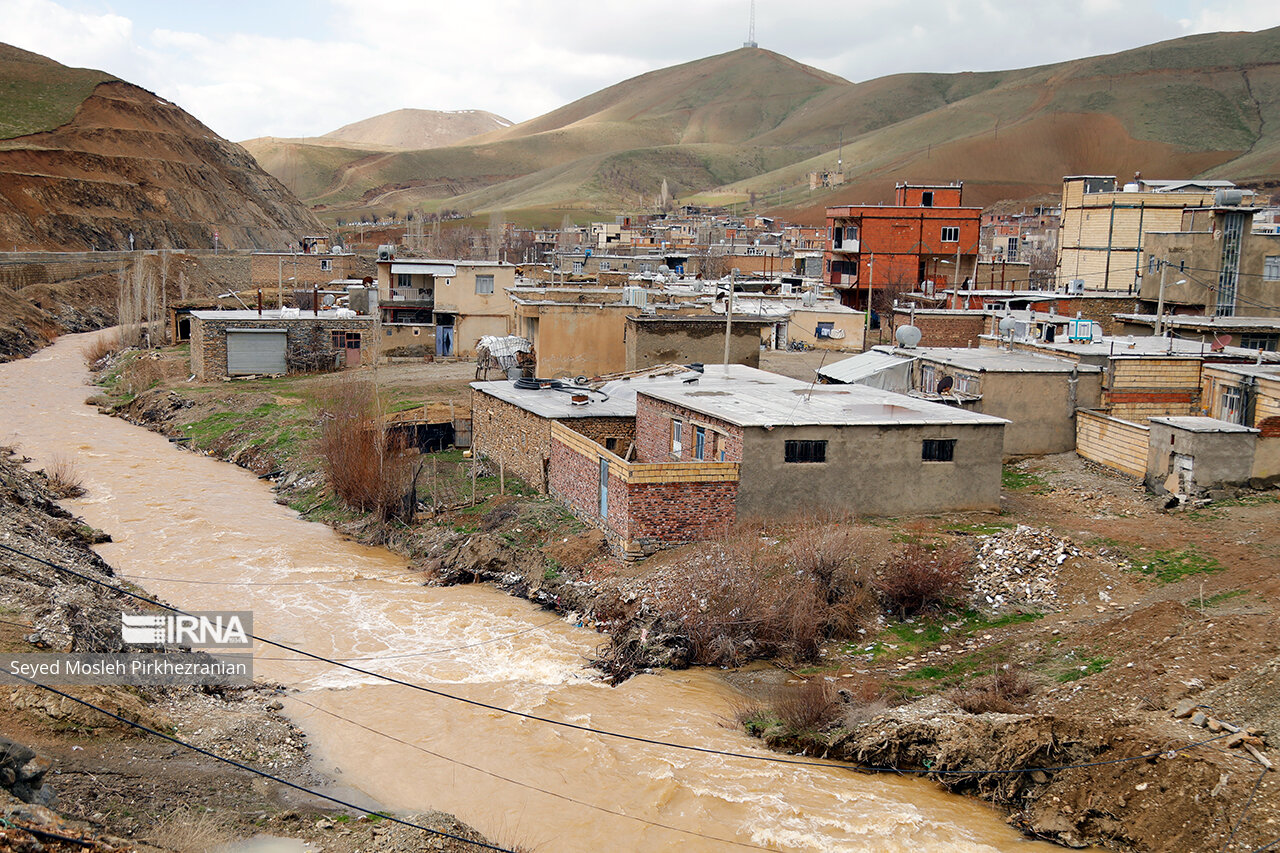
x=417, y=129
x=87, y=159
x=752, y=122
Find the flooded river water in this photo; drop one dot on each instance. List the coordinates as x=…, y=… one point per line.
x=206, y=535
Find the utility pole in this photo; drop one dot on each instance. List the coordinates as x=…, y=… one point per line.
x=1164, y=266
x=728, y=315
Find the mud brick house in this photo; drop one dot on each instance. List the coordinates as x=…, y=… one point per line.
x=737, y=442
x=244, y=343
x=652, y=340
x=875, y=252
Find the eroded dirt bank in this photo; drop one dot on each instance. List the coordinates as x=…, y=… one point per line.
x=67, y=770
x=1146, y=609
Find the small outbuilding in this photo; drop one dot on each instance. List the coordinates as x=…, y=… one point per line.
x=270, y=342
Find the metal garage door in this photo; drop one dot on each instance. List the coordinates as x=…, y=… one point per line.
x=255, y=351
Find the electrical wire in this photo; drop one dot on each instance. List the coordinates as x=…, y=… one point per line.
x=526, y=785
x=1245, y=810
x=766, y=758
x=345, y=804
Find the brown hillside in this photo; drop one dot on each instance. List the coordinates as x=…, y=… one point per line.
x=417, y=129
x=753, y=123
x=128, y=161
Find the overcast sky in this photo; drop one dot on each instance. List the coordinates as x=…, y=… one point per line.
x=294, y=68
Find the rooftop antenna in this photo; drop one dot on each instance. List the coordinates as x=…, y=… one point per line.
x=751, y=29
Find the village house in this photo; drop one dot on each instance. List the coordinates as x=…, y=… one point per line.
x=442, y=308
x=875, y=253
x=1037, y=394
x=1215, y=264
x=275, y=341
x=1103, y=231
x=702, y=449
x=285, y=272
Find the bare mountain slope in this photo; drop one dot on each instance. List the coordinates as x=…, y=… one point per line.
x=417, y=129
x=121, y=160
x=1207, y=104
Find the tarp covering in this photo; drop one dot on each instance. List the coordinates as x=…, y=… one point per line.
x=874, y=369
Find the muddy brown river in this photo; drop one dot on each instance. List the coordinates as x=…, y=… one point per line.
x=204, y=534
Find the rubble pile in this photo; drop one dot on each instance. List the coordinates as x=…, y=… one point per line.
x=1019, y=568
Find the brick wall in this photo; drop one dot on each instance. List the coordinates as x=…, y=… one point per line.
x=304, y=339
x=653, y=432
x=508, y=435
x=268, y=269
x=945, y=330
x=600, y=430
x=648, y=507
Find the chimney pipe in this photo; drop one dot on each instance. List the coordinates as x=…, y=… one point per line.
x=315, y=299
x=259, y=301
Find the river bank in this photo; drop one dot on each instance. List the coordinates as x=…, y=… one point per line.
x=1146, y=609
x=71, y=771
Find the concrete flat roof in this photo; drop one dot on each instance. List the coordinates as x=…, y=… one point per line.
x=1194, y=424
x=1207, y=324
x=748, y=397
x=1262, y=371
x=546, y=403
x=1150, y=346
x=992, y=360
x=273, y=314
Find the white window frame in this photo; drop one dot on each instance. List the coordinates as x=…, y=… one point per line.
x=1271, y=268
x=677, y=437
x=951, y=233
x=481, y=281
x=1231, y=404
x=326, y=265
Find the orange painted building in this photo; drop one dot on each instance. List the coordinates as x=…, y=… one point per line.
x=875, y=252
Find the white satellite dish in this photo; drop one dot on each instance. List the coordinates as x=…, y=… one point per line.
x=907, y=337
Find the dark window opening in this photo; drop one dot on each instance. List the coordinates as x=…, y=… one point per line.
x=926, y=199
x=938, y=450
x=806, y=451
x=611, y=444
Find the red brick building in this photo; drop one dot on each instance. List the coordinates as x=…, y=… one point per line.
x=875, y=252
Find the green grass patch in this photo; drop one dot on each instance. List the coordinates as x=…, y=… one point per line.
x=1089, y=666
x=1175, y=564
x=1016, y=480
x=907, y=638
x=1216, y=599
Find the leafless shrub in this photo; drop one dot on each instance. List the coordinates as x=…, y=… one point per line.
x=367, y=469
x=101, y=348
x=143, y=373
x=186, y=830
x=744, y=598
x=63, y=478
x=1003, y=692
x=811, y=706
x=919, y=579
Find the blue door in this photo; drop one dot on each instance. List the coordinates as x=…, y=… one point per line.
x=604, y=487
x=444, y=340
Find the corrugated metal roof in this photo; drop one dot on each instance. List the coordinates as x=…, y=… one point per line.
x=850, y=370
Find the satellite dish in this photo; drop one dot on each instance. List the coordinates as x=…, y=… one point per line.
x=945, y=383
x=328, y=300
x=907, y=337
x=1220, y=343
x=1007, y=325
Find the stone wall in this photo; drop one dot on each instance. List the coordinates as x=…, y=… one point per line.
x=508, y=435
x=308, y=341
x=621, y=431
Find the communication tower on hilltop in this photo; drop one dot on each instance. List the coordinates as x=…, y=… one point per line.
x=751, y=29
